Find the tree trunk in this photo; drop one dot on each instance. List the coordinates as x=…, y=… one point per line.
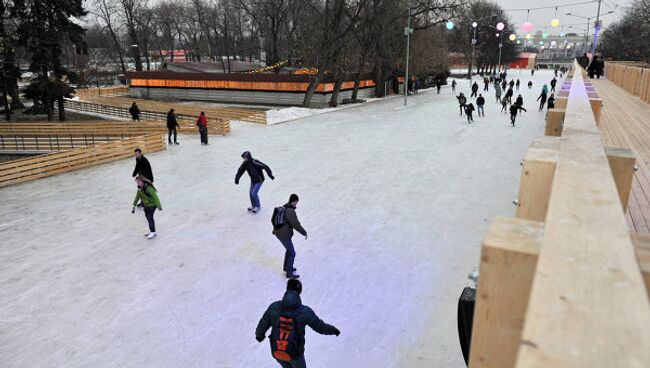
x=313, y=84
x=61, y=109
x=334, y=101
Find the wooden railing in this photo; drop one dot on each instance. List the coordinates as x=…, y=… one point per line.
x=632, y=77
x=560, y=285
x=19, y=171
x=85, y=93
x=187, y=123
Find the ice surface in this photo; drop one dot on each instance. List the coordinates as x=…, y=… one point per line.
x=396, y=202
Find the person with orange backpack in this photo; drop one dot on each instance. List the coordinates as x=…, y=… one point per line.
x=288, y=319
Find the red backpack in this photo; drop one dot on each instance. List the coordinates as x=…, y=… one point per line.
x=284, y=340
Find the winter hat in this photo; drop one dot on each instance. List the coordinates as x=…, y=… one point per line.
x=293, y=198
x=246, y=155
x=294, y=285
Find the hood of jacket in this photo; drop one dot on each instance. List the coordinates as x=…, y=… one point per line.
x=291, y=301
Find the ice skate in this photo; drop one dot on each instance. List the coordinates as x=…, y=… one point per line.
x=151, y=235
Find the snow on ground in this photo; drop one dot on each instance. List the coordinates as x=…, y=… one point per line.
x=396, y=201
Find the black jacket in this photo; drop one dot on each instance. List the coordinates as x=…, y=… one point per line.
x=285, y=232
x=551, y=102
x=474, y=87
x=134, y=111
x=143, y=168
x=171, y=121
x=304, y=317
x=520, y=101
x=480, y=101
x=255, y=170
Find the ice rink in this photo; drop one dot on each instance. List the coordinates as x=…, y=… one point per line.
x=396, y=201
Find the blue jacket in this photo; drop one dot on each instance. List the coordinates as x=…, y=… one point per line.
x=305, y=317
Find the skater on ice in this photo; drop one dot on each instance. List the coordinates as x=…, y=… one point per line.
x=285, y=220
x=553, y=83
x=513, y=113
x=551, y=102
x=474, y=90
x=469, y=108
x=480, y=103
x=497, y=92
x=517, y=84
x=519, y=102
x=462, y=100
x=202, y=123
x=542, y=100
x=530, y=84
x=147, y=194
x=172, y=124
x=255, y=170
x=135, y=112
x=142, y=166
x=288, y=319
x=453, y=86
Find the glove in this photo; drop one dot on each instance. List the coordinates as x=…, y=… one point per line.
x=133, y=210
x=272, y=177
x=337, y=332
x=259, y=338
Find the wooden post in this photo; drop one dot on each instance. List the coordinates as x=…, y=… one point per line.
x=596, y=107
x=508, y=259
x=554, y=122
x=561, y=102
x=642, y=248
x=622, y=161
x=537, y=178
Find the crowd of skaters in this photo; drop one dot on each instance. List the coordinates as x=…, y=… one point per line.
x=500, y=84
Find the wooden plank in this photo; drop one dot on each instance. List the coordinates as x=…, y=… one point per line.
x=622, y=162
x=642, y=247
x=508, y=260
x=536, y=181
x=588, y=306
x=554, y=122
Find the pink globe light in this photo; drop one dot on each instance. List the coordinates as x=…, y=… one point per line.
x=500, y=26
x=527, y=27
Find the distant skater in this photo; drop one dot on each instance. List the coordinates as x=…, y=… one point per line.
x=509, y=94
x=462, y=100
x=255, y=170
x=469, y=108
x=285, y=220
x=135, y=112
x=551, y=102
x=480, y=103
x=517, y=84
x=288, y=319
x=513, y=113
x=530, y=84
x=542, y=100
x=486, y=84
x=474, y=90
x=497, y=92
x=438, y=85
x=147, y=194
x=504, y=105
x=453, y=86
x=172, y=124
x=202, y=123
x=553, y=83
x=520, y=104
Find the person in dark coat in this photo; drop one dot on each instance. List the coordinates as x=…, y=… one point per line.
x=542, y=100
x=474, y=90
x=255, y=170
x=172, y=124
x=486, y=84
x=469, y=108
x=135, y=112
x=600, y=66
x=438, y=85
x=530, y=84
x=303, y=316
x=453, y=86
x=551, y=102
x=462, y=100
x=480, y=104
x=285, y=235
x=142, y=166
x=517, y=84
x=509, y=94
x=553, y=83
x=519, y=102
x=513, y=113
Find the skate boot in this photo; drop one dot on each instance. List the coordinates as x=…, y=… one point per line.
x=151, y=235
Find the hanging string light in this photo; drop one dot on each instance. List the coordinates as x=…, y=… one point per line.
x=513, y=37
x=555, y=22
x=527, y=26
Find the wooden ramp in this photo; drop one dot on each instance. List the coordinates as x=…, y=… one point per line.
x=625, y=122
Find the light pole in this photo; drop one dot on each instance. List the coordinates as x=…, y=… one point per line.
x=407, y=32
x=471, y=62
x=597, y=16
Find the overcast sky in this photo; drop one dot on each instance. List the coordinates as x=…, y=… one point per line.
x=542, y=18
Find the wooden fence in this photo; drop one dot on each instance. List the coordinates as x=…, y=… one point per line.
x=230, y=113
x=632, y=77
x=85, y=93
x=187, y=123
x=19, y=171
x=560, y=284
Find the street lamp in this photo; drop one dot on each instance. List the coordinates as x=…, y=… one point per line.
x=597, y=16
x=407, y=32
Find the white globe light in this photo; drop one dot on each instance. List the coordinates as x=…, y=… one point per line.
x=553, y=43
x=500, y=26
x=474, y=24
x=512, y=37
x=450, y=25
